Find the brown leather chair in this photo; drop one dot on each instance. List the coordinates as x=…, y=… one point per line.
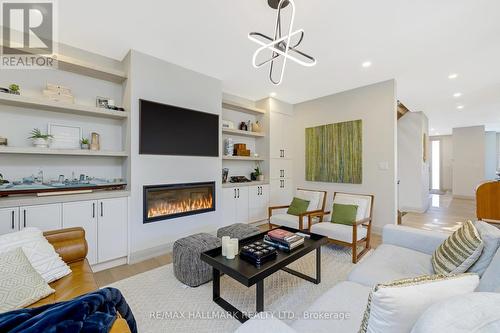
x=72, y=247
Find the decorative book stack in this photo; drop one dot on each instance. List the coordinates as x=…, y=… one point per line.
x=283, y=240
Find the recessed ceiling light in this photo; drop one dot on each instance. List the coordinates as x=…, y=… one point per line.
x=273, y=94
x=452, y=76
x=456, y=95
x=366, y=64
x=460, y=107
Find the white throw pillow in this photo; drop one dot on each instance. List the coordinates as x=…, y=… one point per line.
x=39, y=251
x=396, y=306
x=474, y=312
x=20, y=283
x=312, y=196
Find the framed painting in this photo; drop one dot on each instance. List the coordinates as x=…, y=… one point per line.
x=334, y=153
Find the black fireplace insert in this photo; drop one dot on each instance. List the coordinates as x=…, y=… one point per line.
x=162, y=202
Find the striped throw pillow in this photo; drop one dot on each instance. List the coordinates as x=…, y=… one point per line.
x=459, y=252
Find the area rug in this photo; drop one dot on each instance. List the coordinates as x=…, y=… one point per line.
x=161, y=303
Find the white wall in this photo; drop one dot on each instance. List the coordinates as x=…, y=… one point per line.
x=468, y=160
x=413, y=172
x=446, y=161
x=159, y=81
x=375, y=105
x=491, y=157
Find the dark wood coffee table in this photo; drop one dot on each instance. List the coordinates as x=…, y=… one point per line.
x=248, y=274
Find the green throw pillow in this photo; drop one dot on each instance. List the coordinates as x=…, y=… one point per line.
x=298, y=206
x=344, y=214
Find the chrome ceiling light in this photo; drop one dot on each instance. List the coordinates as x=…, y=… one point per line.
x=280, y=45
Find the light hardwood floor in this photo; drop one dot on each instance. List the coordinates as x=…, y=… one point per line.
x=114, y=274
x=445, y=214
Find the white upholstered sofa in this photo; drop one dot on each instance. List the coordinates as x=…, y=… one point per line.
x=405, y=252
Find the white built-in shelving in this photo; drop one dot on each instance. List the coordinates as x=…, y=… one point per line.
x=242, y=108
x=231, y=131
x=67, y=152
x=242, y=158
x=62, y=107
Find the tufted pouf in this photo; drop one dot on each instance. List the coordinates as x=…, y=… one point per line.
x=238, y=230
x=188, y=267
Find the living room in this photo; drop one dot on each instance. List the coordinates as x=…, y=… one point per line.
x=155, y=177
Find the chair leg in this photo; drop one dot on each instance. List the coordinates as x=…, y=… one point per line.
x=354, y=244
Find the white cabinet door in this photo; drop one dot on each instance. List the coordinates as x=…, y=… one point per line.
x=43, y=217
x=258, y=202
x=281, y=192
x=281, y=168
x=83, y=214
x=112, y=229
x=287, y=137
x=242, y=205
x=9, y=220
x=276, y=134
x=229, y=205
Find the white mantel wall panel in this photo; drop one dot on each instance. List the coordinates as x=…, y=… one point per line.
x=162, y=82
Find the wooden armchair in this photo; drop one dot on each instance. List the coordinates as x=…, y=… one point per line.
x=347, y=235
x=317, y=202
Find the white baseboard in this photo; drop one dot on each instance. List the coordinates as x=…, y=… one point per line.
x=109, y=264
x=464, y=197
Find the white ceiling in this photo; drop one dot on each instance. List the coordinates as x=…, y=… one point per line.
x=419, y=43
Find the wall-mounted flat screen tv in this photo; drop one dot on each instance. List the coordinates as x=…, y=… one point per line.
x=171, y=130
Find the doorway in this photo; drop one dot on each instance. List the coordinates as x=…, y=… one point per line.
x=435, y=172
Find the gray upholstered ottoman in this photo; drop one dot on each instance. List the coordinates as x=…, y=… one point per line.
x=188, y=267
x=238, y=230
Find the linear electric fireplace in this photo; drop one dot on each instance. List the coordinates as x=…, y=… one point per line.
x=163, y=202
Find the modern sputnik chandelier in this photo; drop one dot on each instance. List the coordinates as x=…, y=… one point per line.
x=280, y=45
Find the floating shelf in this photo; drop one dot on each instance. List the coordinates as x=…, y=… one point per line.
x=241, y=158
x=242, y=133
x=48, y=105
x=242, y=108
x=81, y=67
x=252, y=183
x=66, y=152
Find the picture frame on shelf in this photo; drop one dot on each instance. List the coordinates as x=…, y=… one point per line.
x=64, y=136
x=102, y=102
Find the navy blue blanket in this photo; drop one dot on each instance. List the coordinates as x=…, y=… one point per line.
x=95, y=313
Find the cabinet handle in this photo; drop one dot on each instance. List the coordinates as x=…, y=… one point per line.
x=238, y=193
x=234, y=193
x=24, y=216
x=102, y=210
x=93, y=210
x=13, y=222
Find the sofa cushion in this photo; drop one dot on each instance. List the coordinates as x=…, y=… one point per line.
x=298, y=206
x=346, y=300
x=459, y=252
x=20, y=283
x=491, y=239
x=388, y=263
x=337, y=231
x=81, y=281
x=396, y=306
x=473, y=312
x=314, y=198
x=290, y=221
x=490, y=281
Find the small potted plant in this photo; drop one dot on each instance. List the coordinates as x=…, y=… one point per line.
x=14, y=89
x=84, y=143
x=40, y=140
x=258, y=173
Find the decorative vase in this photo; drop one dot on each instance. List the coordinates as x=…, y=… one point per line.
x=260, y=178
x=94, y=142
x=85, y=146
x=256, y=127
x=41, y=143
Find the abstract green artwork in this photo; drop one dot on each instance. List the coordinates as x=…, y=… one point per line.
x=334, y=153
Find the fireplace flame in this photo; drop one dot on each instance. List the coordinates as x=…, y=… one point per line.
x=186, y=205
